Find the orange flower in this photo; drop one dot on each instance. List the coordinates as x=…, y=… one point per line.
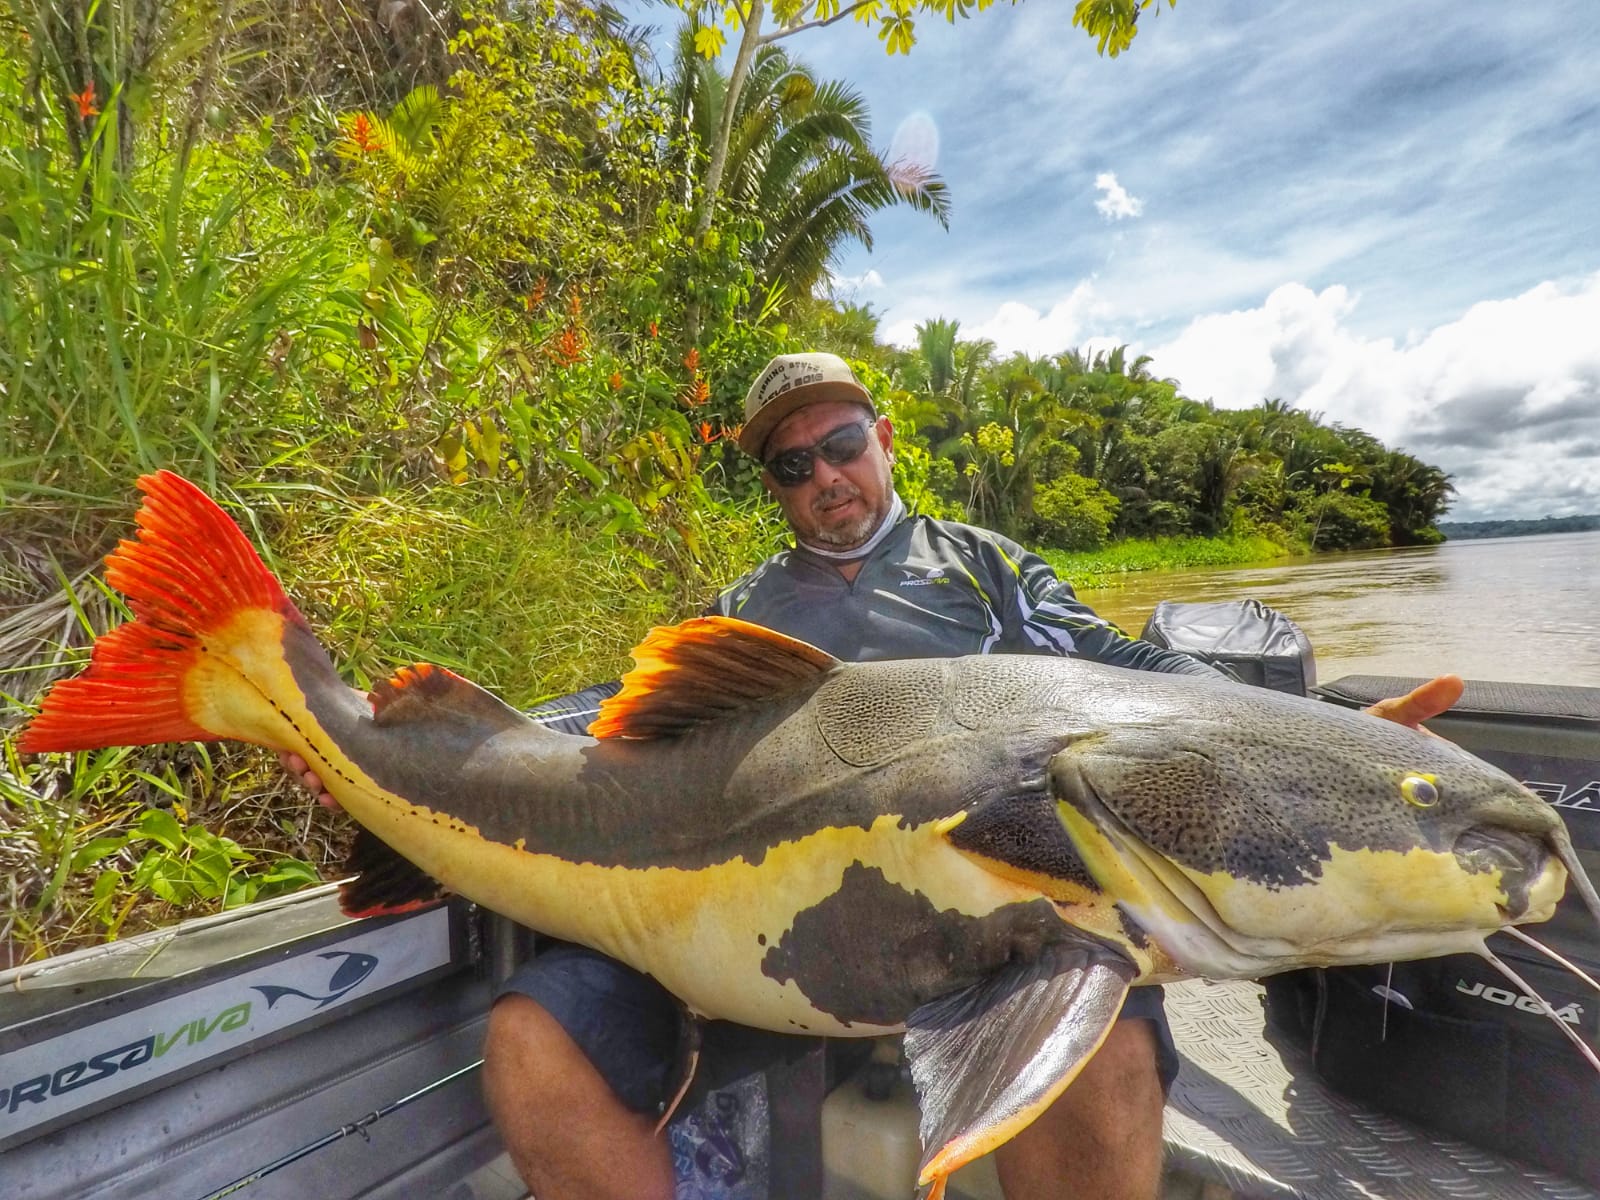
x=575, y=303
x=362, y=135
x=536, y=297
x=568, y=348
x=697, y=393
x=85, y=101
x=707, y=434
x=653, y=329
x=692, y=359
x=616, y=381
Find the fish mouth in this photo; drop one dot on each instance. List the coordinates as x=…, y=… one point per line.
x=1529, y=869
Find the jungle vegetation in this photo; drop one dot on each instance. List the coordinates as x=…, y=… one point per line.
x=436, y=300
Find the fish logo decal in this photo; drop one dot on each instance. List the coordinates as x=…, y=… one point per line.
x=346, y=976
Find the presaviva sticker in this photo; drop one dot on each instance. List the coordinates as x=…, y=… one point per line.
x=59, y=1075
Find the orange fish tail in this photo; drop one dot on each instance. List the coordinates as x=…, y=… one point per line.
x=189, y=572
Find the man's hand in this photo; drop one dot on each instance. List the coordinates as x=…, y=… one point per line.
x=1421, y=703
x=301, y=770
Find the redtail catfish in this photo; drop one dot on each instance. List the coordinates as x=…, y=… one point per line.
x=985, y=852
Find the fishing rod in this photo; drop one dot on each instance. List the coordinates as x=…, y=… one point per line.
x=359, y=1126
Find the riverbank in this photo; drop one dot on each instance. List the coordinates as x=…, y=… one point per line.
x=1099, y=570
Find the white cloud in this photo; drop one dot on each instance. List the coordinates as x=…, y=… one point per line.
x=1018, y=327
x=1506, y=397
x=1116, y=203
x=846, y=287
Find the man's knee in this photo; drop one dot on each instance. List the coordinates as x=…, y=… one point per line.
x=522, y=1043
x=567, y=1131
x=1123, y=1079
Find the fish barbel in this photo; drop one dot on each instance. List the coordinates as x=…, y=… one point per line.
x=986, y=852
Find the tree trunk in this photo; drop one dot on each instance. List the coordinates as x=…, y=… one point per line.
x=730, y=102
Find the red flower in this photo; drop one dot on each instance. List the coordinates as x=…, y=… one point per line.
x=653, y=330
x=362, y=135
x=85, y=101
x=616, y=381
x=692, y=359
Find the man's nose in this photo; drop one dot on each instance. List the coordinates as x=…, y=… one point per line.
x=824, y=472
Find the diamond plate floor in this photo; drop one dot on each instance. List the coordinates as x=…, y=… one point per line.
x=1239, y=1116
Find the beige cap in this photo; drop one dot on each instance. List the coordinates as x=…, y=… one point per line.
x=793, y=381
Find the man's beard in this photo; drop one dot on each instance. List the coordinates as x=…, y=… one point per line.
x=842, y=537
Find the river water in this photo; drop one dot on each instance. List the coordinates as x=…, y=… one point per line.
x=1517, y=609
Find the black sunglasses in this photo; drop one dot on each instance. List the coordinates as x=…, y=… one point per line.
x=843, y=445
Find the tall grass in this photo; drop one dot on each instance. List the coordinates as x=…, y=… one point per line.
x=138, y=312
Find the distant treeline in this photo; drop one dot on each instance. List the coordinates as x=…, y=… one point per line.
x=1462, y=530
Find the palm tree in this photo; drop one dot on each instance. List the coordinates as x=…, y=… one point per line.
x=800, y=159
x=1415, y=493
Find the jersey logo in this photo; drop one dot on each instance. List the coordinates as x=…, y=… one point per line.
x=923, y=576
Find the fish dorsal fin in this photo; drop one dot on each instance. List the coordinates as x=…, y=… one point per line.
x=990, y=1058
x=424, y=692
x=685, y=675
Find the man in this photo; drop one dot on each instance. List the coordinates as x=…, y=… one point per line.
x=580, y=1055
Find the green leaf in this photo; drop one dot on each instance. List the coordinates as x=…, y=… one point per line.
x=105, y=885
x=169, y=883
x=92, y=852
x=160, y=826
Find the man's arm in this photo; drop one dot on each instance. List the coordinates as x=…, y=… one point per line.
x=1055, y=620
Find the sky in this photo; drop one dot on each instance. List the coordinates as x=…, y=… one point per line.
x=1388, y=214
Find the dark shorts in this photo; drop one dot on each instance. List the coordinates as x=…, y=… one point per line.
x=628, y=1025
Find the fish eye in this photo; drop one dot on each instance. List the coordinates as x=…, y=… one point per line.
x=1420, y=790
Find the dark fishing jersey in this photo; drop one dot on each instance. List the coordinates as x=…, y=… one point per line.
x=936, y=589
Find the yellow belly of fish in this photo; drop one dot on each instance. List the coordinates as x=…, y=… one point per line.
x=702, y=933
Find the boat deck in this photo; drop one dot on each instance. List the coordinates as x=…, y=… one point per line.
x=1254, y=1120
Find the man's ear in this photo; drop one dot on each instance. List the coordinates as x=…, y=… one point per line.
x=885, y=430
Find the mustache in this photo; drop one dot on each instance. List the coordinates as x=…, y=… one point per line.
x=839, y=491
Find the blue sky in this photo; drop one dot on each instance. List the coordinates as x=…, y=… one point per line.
x=1385, y=213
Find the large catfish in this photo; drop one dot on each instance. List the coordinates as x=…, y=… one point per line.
x=986, y=852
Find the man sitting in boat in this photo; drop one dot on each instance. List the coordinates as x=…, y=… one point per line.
x=582, y=1051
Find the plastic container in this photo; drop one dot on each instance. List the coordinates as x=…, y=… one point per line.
x=870, y=1148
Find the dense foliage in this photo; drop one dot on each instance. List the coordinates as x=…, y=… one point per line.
x=432, y=300
x=1488, y=529
x=1081, y=448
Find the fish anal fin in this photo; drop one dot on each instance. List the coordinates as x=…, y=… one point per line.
x=424, y=692
x=685, y=675
x=991, y=1058
x=384, y=882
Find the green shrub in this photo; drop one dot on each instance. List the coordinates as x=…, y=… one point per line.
x=1073, y=513
x=1340, y=521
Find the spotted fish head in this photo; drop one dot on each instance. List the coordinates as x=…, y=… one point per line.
x=1255, y=832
